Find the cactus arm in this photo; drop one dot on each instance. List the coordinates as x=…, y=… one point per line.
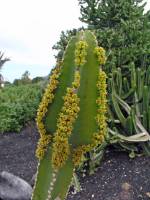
x=140, y=83
x=145, y=120
x=86, y=123
x=128, y=110
x=45, y=170
x=43, y=177
x=117, y=110
x=147, y=82
x=63, y=181
x=133, y=76
x=95, y=138
x=65, y=81
x=126, y=86
x=141, y=137
x=119, y=81
x=137, y=108
x=128, y=94
x=145, y=99
x=129, y=125
x=46, y=187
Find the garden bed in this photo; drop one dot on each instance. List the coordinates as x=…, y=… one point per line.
x=118, y=177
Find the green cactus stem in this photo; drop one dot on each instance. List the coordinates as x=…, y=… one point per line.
x=71, y=117
x=131, y=108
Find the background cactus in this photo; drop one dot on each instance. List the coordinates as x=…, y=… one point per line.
x=71, y=117
x=129, y=107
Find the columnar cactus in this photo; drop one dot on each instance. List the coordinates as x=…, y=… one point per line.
x=71, y=117
x=130, y=108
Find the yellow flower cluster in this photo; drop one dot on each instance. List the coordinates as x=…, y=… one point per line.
x=80, y=53
x=98, y=138
x=68, y=115
x=42, y=146
x=76, y=82
x=42, y=110
x=101, y=54
x=78, y=154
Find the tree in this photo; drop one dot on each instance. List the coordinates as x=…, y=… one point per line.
x=122, y=28
x=17, y=82
x=38, y=79
x=60, y=46
x=2, y=61
x=25, y=79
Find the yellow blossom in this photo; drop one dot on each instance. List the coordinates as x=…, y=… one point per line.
x=101, y=55
x=42, y=110
x=101, y=101
x=61, y=149
x=80, y=53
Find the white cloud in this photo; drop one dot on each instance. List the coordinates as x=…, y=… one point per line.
x=36, y=26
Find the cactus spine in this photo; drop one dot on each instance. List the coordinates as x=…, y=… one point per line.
x=71, y=117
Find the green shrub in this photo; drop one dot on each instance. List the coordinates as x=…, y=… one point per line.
x=18, y=105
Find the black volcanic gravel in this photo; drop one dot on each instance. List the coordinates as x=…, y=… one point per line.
x=118, y=177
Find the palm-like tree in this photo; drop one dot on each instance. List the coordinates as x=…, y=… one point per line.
x=2, y=61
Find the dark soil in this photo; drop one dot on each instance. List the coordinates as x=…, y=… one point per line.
x=17, y=152
x=118, y=177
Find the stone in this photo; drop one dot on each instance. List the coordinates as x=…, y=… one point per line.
x=32, y=182
x=13, y=187
x=126, y=192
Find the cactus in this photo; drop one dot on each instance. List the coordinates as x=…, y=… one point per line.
x=71, y=117
x=130, y=108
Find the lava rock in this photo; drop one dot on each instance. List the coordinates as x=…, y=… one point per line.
x=13, y=187
x=33, y=180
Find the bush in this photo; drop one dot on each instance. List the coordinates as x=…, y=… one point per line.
x=18, y=105
x=38, y=79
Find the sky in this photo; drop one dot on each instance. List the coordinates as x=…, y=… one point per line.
x=29, y=29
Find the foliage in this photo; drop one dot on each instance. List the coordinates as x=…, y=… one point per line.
x=18, y=105
x=25, y=79
x=17, y=82
x=60, y=46
x=122, y=28
x=71, y=116
x=38, y=79
x=7, y=83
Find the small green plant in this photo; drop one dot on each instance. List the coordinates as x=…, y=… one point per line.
x=71, y=116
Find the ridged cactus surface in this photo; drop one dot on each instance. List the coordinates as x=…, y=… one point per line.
x=71, y=117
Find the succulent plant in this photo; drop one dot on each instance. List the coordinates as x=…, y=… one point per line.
x=71, y=117
x=129, y=108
